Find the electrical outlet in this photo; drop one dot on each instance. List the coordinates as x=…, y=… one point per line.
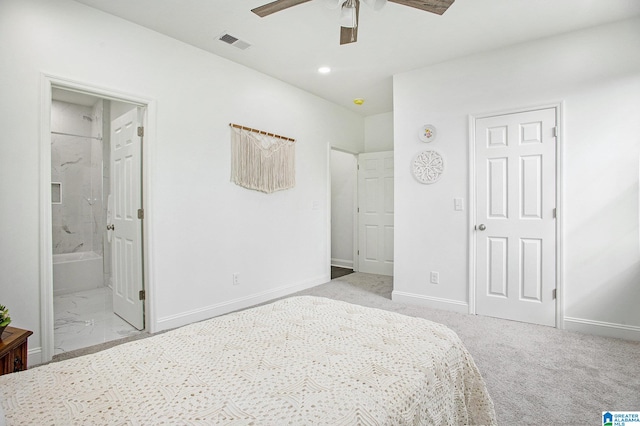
x=236, y=278
x=435, y=277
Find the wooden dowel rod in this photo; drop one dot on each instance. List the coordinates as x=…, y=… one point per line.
x=262, y=132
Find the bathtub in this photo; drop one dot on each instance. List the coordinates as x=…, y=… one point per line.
x=74, y=272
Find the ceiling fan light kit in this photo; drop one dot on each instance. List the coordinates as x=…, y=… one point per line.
x=348, y=15
x=349, y=11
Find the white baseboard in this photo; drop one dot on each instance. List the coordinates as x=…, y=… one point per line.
x=34, y=357
x=184, y=318
x=431, y=302
x=342, y=263
x=601, y=328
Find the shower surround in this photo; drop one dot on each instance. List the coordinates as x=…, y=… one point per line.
x=76, y=162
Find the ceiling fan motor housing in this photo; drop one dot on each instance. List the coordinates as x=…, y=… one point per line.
x=349, y=11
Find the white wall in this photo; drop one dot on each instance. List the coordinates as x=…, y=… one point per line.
x=203, y=227
x=343, y=194
x=596, y=73
x=378, y=132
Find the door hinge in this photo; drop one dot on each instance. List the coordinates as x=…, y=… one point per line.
x=555, y=132
x=141, y=131
x=358, y=252
x=140, y=213
x=554, y=293
x=358, y=166
x=142, y=295
x=358, y=209
x=555, y=213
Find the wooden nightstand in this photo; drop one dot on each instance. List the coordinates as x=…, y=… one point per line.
x=13, y=350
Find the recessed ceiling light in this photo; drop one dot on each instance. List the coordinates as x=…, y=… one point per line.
x=358, y=101
x=324, y=70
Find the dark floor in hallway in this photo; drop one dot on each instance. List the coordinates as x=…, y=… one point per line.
x=337, y=272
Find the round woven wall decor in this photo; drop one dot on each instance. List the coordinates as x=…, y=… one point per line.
x=427, y=166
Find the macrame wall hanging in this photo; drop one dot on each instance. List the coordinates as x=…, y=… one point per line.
x=262, y=161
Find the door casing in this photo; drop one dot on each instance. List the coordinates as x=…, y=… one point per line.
x=48, y=82
x=559, y=210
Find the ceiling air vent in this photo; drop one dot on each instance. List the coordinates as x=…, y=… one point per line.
x=234, y=41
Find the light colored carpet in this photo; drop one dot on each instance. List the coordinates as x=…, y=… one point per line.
x=536, y=375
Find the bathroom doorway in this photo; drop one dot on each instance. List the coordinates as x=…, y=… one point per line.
x=83, y=245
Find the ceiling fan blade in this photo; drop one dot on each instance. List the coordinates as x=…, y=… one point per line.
x=350, y=35
x=276, y=6
x=434, y=6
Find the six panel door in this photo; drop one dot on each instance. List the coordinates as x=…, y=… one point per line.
x=515, y=216
x=126, y=184
x=376, y=213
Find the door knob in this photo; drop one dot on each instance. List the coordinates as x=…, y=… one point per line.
x=111, y=227
x=482, y=227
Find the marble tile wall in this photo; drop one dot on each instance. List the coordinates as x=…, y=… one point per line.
x=99, y=221
x=75, y=224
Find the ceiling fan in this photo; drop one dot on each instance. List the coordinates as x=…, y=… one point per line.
x=350, y=10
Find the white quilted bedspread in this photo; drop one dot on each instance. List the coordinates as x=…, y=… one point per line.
x=298, y=361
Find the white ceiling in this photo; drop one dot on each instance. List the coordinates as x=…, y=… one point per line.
x=292, y=44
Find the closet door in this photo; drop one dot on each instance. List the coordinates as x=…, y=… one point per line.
x=515, y=231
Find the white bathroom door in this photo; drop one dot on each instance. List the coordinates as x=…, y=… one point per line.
x=126, y=189
x=375, y=213
x=515, y=160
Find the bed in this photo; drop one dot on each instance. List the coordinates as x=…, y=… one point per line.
x=298, y=361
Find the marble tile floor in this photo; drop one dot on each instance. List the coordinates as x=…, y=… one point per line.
x=86, y=318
